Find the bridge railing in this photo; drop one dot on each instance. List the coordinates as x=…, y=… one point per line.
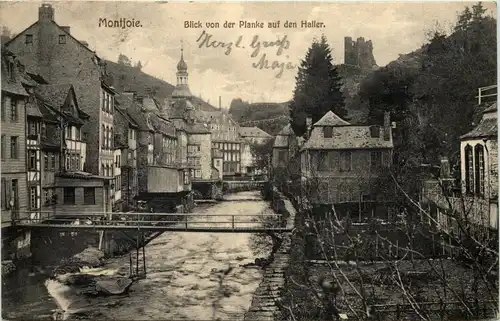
x=144, y=220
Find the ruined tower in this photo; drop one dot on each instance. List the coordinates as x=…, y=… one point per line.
x=359, y=53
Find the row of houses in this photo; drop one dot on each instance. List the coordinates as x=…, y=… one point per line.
x=72, y=144
x=338, y=163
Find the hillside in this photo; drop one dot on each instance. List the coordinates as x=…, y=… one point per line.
x=127, y=78
x=248, y=114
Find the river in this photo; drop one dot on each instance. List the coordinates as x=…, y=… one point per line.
x=190, y=276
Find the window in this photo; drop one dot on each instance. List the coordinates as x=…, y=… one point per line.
x=62, y=39
x=31, y=160
x=53, y=161
x=217, y=162
x=14, y=146
x=328, y=132
x=103, y=136
x=282, y=156
x=375, y=131
x=46, y=162
x=5, y=102
x=4, y=156
x=375, y=160
x=14, y=194
x=32, y=128
x=33, y=198
x=469, y=170
x=44, y=130
x=10, y=71
x=345, y=161
x=29, y=39
x=13, y=110
x=186, y=177
x=69, y=195
x=197, y=173
x=479, y=154
x=89, y=195
x=4, y=192
x=323, y=161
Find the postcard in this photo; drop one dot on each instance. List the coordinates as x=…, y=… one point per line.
x=249, y=160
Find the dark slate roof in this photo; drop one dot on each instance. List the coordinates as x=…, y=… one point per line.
x=13, y=86
x=181, y=91
x=347, y=137
x=286, y=131
x=331, y=119
x=134, y=111
x=486, y=128
x=32, y=109
x=197, y=128
x=126, y=115
x=177, y=107
x=162, y=125
x=55, y=94
x=253, y=132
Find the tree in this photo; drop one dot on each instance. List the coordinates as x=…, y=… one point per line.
x=6, y=36
x=262, y=153
x=124, y=60
x=317, y=88
x=138, y=65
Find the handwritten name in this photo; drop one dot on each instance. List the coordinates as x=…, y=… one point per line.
x=206, y=40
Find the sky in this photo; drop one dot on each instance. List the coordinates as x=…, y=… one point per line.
x=393, y=27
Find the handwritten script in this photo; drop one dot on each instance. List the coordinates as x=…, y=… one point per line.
x=257, y=46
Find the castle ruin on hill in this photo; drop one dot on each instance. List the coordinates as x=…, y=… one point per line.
x=359, y=53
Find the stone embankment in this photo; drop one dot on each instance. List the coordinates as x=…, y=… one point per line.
x=265, y=300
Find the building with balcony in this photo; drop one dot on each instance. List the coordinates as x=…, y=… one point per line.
x=15, y=203
x=67, y=188
x=340, y=161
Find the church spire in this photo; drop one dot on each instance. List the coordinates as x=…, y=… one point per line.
x=182, y=88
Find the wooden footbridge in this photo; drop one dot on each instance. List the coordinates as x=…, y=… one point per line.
x=158, y=222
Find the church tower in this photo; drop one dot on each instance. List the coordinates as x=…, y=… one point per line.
x=182, y=89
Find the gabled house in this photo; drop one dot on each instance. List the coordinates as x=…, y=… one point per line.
x=342, y=160
x=282, y=142
x=67, y=188
x=252, y=136
x=52, y=52
x=479, y=168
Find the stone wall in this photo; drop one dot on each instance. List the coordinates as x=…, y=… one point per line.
x=265, y=300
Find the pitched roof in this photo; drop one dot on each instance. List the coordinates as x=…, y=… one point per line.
x=14, y=85
x=253, y=132
x=331, y=119
x=54, y=94
x=286, y=131
x=134, y=111
x=127, y=117
x=491, y=108
x=486, y=128
x=197, y=128
x=347, y=137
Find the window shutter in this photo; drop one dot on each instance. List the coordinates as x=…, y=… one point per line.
x=8, y=192
x=4, y=193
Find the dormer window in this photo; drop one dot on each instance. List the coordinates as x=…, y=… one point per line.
x=375, y=131
x=328, y=132
x=29, y=39
x=62, y=39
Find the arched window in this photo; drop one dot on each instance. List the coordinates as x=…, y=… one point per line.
x=469, y=170
x=479, y=169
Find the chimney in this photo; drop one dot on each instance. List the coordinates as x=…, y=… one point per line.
x=387, y=125
x=46, y=13
x=66, y=28
x=220, y=103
